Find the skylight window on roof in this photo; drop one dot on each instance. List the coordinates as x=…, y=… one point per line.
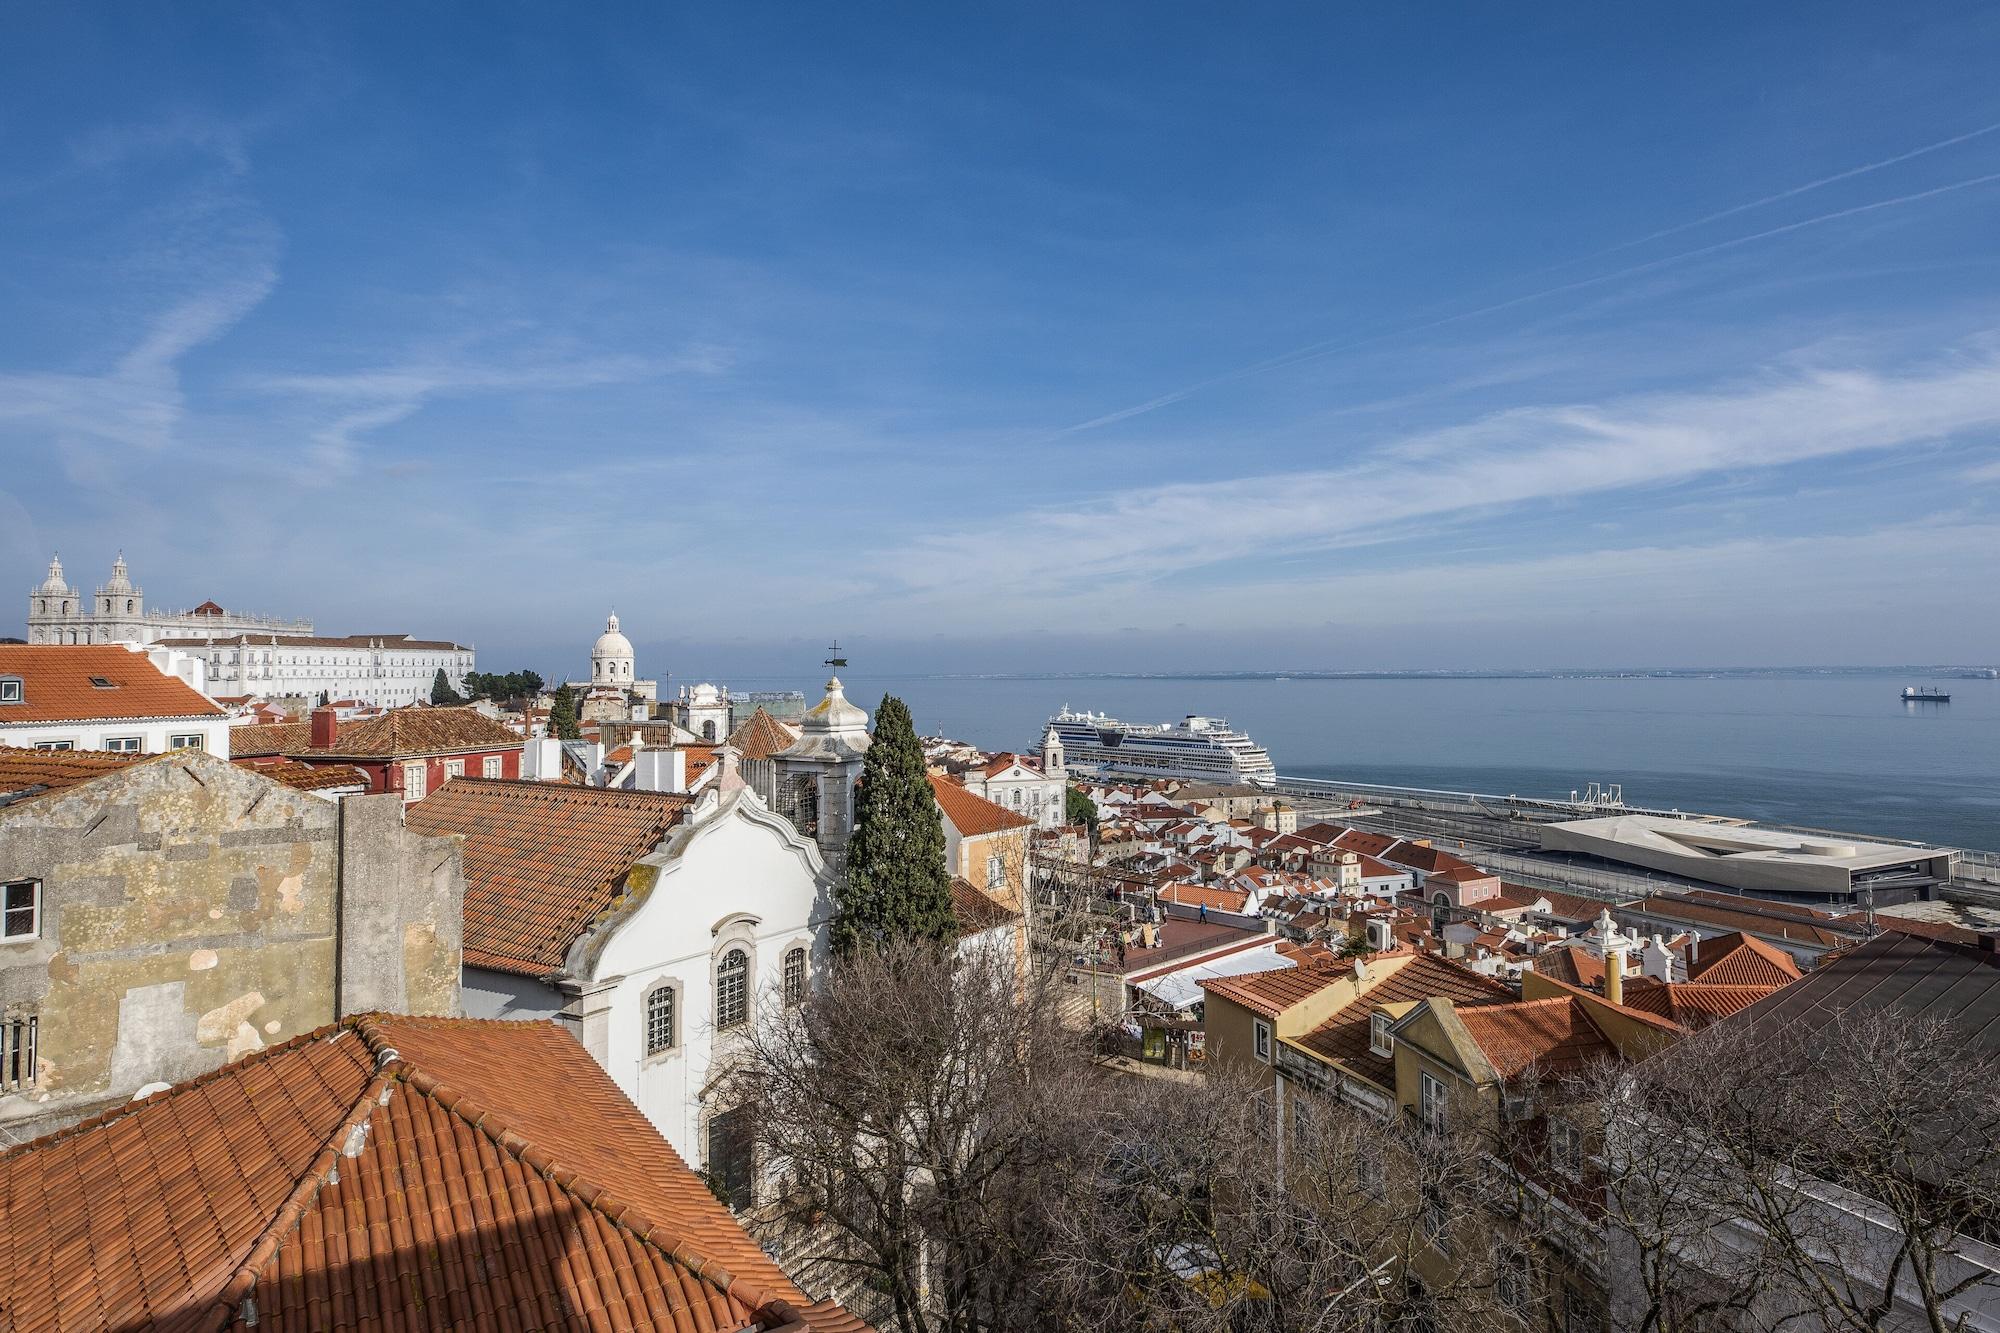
x=103, y=683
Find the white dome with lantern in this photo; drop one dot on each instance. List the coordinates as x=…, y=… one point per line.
x=54, y=585
x=611, y=657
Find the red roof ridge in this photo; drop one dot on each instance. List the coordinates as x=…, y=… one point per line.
x=767, y=1306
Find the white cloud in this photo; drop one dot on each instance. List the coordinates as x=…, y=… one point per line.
x=1412, y=486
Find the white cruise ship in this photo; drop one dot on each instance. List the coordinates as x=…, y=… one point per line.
x=1201, y=748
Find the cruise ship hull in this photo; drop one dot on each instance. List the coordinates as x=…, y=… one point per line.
x=1199, y=748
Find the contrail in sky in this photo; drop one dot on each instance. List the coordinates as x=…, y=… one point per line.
x=1312, y=351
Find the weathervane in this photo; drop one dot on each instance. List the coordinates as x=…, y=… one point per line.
x=834, y=659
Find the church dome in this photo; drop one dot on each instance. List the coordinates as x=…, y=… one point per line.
x=611, y=643
x=121, y=580
x=54, y=583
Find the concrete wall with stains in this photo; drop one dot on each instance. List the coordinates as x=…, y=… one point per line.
x=191, y=914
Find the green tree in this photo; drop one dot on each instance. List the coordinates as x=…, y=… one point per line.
x=441, y=690
x=563, y=724
x=1080, y=809
x=898, y=886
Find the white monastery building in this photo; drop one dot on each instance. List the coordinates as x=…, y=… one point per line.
x=247, y=654
x=116, y=613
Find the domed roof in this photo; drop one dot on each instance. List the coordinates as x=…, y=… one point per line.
x=54, y=582
x=120, y=579
x=611, y=643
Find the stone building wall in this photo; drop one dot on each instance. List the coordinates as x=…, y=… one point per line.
x=192, y=912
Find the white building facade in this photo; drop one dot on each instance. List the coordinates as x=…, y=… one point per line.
x=116, y=613
x=733, y=918
x=386, y=670
x=150, y=701
x=1022, y=786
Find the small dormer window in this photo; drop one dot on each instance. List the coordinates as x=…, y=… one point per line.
x=1380, y=1042
x=103, y=684
x=10, y=690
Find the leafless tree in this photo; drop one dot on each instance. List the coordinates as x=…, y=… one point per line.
x=942, y=1140
x=1839, y=1174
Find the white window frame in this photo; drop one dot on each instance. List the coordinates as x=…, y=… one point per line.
x=55, y=745
x=20, y=1035
x=125, y=744
x=415, y=791
x=672, y=990
x=996, y=869
x=12, y=690
x=489, y=767
x=454, y=768
x=34, y=930
x=1380, y=1042
x=1260, y=1039
x=1433, y=1101
x=187, y=740
x=722, y=1022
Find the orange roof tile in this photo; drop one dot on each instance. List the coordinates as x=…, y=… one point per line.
x=418, y=730
x=542, y=860
x=29, y=773
x=58, y=684
x=1271, y=993
x=1418, y=976
x=761, y=736
x=1737, y=959
x=1554, y=1036
x=976, y=910
x=974, y=815
x=387, y=1173
x=311, y=777
x=271, y=738
x=1690, y=1005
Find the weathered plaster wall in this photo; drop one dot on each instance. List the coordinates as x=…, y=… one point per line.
x=189, y=917
x=402, y=906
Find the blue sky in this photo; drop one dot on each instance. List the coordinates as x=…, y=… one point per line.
x=1014, y=337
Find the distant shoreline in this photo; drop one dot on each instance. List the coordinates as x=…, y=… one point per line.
x=1960, y=672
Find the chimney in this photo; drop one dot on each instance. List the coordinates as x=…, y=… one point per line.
x=1614, y=975
x=325, y=726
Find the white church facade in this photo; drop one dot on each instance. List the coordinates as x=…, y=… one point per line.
x=116, y=613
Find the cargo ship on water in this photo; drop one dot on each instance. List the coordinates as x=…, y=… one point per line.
x=1204, y=749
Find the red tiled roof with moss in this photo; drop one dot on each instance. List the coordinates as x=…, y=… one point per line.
x=542, y=860
x=387, y=1173
x=405, y=732
x=58, y=684
x=255, y=742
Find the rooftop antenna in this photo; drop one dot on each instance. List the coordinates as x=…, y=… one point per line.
x=834, y=659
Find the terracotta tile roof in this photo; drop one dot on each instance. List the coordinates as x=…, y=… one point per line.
x=700, y=758
x=618, y=757
x=1271, y=993
x=388, y=1173
x=976, y=911
x=1418, y=976
x=1570, y=963
x=542, y=860
x=25, y=773
x=271, y=738
x=1747, y=915
x=1737, y=959
x=761, y=736
x=1553, y=1036
x=1563, y=906
x=312, y=777
x=1690, y=1005
x=57, y=685
x=974, y=815
x=416, y=731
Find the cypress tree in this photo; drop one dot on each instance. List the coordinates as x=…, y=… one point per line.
x=441, y=690
x=898, y=886
x=562, y=716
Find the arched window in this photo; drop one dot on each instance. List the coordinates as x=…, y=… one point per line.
x=708, y=730
x=732, y=989
x=128, y=606
x=795, y=976
x=659, y=1019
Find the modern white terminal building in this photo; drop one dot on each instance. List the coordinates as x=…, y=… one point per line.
x=1758, y=860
